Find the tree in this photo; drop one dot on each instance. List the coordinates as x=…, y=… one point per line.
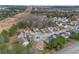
x=5, y=35
x=2, y=47
x=12, y=30
x=56, y=43
x=21, y=24
x=74, y=35
x=60, y=41
x=18, y=48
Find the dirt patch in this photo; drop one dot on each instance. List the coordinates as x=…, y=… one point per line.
x=8, y=22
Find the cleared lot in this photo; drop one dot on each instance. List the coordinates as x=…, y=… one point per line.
x=8, y=22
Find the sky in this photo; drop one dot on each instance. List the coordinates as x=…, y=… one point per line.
x=39, y=2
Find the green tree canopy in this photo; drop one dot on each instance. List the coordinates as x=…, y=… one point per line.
x=5, y=35
x=12, y=30
x=21, y=24
x=57, y=42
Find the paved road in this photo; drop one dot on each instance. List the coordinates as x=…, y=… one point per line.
x=73, y=49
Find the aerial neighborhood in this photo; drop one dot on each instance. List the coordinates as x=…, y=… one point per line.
x=37, y=29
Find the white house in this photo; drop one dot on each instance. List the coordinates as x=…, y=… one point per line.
x=22, y=38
